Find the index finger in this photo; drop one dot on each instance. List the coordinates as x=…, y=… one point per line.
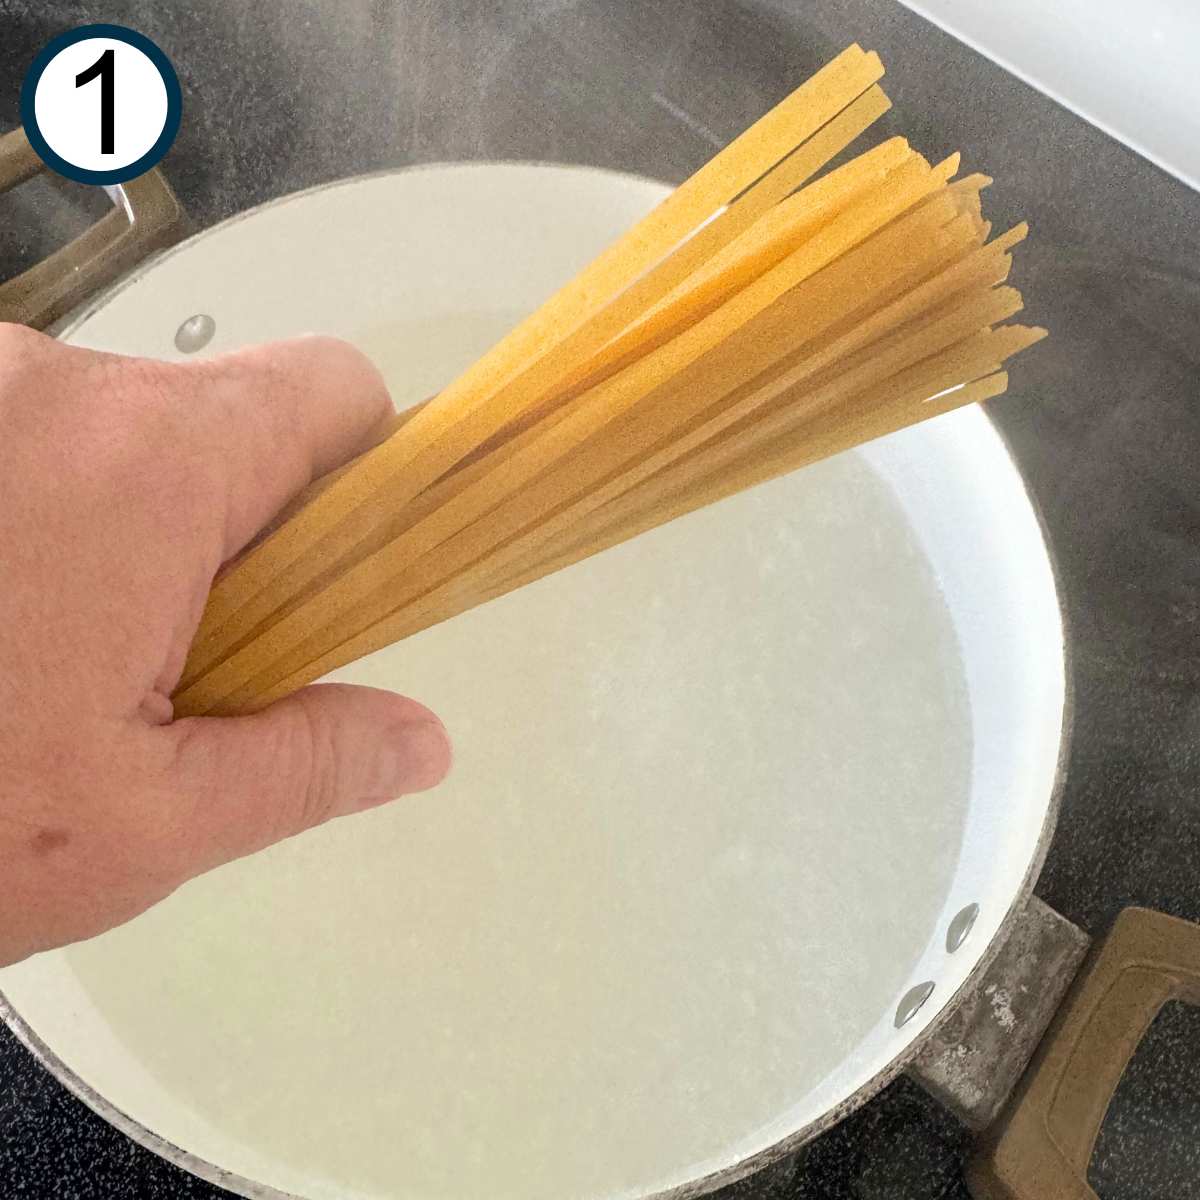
x=283, y=414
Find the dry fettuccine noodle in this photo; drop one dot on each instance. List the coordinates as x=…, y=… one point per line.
x=762, y=317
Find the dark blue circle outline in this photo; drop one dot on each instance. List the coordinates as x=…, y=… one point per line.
x=166, y=71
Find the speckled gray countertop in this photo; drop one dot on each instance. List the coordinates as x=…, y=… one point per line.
x=281, y=94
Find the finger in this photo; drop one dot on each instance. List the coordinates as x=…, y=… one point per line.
x=280, y=416
x=328, y=751
x=379, y=433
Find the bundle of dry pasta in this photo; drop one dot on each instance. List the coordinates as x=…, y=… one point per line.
x=759, y=319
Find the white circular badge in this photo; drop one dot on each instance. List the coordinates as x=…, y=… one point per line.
x=101, y=104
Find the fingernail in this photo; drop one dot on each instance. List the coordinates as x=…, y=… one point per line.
x=417, y=758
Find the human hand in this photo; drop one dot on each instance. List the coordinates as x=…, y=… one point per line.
x=124, y=485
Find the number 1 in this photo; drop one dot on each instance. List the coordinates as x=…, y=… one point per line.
x=104, y=68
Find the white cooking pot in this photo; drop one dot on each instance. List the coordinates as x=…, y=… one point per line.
x=739, y=808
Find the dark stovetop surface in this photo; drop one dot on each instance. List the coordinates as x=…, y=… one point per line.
x=1105, y=417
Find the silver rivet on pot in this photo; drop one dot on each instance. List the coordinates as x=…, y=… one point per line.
x=195, y=333
x=961, y=926
x=913, y=1002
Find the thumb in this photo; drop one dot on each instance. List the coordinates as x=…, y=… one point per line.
x=324, y=752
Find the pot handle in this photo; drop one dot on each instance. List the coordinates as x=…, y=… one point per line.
x=1042, y=1144
x=147, y=217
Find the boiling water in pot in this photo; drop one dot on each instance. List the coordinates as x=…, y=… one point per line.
x=670, y=884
